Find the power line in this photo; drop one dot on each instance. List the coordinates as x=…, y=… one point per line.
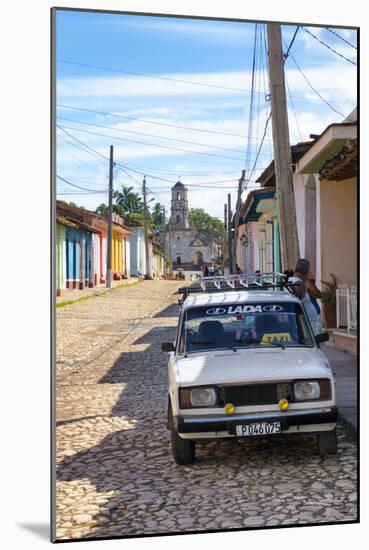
x=250, y=173
x=79, y=141
x=291, y=43
x=293, y=108
x=251, y=107
x=79, y=187
x=149, y=135
x=172, y=79
x=327, y=46
x=67, y=152
x=181, y=172
x=152, y=144
x=341, y=37
x=181, y=81
x=311, y=86
x=123, y=167
x=261, y=144
x=150, y=121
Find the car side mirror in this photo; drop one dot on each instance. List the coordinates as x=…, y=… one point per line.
x=167, y=346
x=322, y=337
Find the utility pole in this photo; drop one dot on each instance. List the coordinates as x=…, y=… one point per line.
x=237, y=219
x=147, y=250
x=282, y=150
x=225, y=236
x=110, y=221
x=230, y=261
x=165, y=260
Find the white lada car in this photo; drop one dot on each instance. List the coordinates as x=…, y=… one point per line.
x=247, y=364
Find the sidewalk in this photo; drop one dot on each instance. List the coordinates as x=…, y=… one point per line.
x=345, y=368
x=75, y=295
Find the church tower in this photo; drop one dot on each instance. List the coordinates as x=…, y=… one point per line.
x=179, y=207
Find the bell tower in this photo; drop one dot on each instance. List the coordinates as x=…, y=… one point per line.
x=179, y=207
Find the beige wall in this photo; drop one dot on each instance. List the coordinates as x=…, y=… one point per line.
x=338, y=219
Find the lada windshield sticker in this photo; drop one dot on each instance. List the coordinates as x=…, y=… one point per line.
x=216, y=311
x=242, y=311
x=276, y=338
x=237, y=310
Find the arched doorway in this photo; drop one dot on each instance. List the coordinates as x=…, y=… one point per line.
x=199, y=259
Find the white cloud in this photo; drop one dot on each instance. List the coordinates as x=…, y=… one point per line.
x=337, y=78
x=212, y=31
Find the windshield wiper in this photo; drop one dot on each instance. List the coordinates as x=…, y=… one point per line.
x=202, y=342
x=252, y=341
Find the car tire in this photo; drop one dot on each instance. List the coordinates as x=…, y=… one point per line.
x=327, y=443
x=183, y=450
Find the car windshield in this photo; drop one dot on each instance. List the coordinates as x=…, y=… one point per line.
x=234, y=326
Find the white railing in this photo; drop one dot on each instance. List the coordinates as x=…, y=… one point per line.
x=346, y=306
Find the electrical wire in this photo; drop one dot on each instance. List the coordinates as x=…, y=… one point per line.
x=104, y=113
x=68, y=153
x=291, y=43
x=180, y=81
x=293, y=108
x=329, y=47
x=251, y=107
x=81, y=142
x=152, y=144
x=341, y=37
x=261, y=144
x=311, y=86
x=149, y=135
x=167, y=78
x=79, y=187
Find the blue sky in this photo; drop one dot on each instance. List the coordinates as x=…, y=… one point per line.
x=169, y=128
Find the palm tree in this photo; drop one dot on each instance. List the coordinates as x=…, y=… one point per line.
x=129, y=200
x=102, y=209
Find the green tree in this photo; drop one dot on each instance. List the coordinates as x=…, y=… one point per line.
x=129, y=200
x=206, y=225
x=157, y=215
x=102, y=209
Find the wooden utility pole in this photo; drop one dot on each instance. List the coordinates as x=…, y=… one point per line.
x=236, y=220
x=165, y=260
x=146, y=232
x=230, y=261
x=110, y=221
x=225, y=237
x=282, y=150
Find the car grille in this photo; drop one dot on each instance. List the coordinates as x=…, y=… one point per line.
x=253, y=394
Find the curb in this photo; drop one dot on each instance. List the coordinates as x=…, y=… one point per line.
x=95, y=293
x=349, y=427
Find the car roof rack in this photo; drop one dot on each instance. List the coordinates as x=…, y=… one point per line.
x=241, y=281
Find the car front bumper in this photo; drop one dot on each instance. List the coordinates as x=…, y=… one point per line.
x=223, y=423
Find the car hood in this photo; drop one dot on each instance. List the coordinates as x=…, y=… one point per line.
x=252, y=365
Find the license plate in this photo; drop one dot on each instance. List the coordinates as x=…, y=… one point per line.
x=258, y=428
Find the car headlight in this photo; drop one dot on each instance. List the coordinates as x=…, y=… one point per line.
x=306, y=390
x=197, y=397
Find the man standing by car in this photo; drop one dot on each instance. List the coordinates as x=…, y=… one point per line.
x=299, y=278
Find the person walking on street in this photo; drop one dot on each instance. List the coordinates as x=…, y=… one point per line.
x=206, y=271
x=299, y=280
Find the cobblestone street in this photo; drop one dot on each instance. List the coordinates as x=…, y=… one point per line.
x=115, y=472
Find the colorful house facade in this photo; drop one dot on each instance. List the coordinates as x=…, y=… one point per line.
x=81, y=248
x=137, y=253
x=258, y=245
x=325, y=184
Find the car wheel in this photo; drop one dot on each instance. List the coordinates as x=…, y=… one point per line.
x=183, y=449
x=327, y=443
